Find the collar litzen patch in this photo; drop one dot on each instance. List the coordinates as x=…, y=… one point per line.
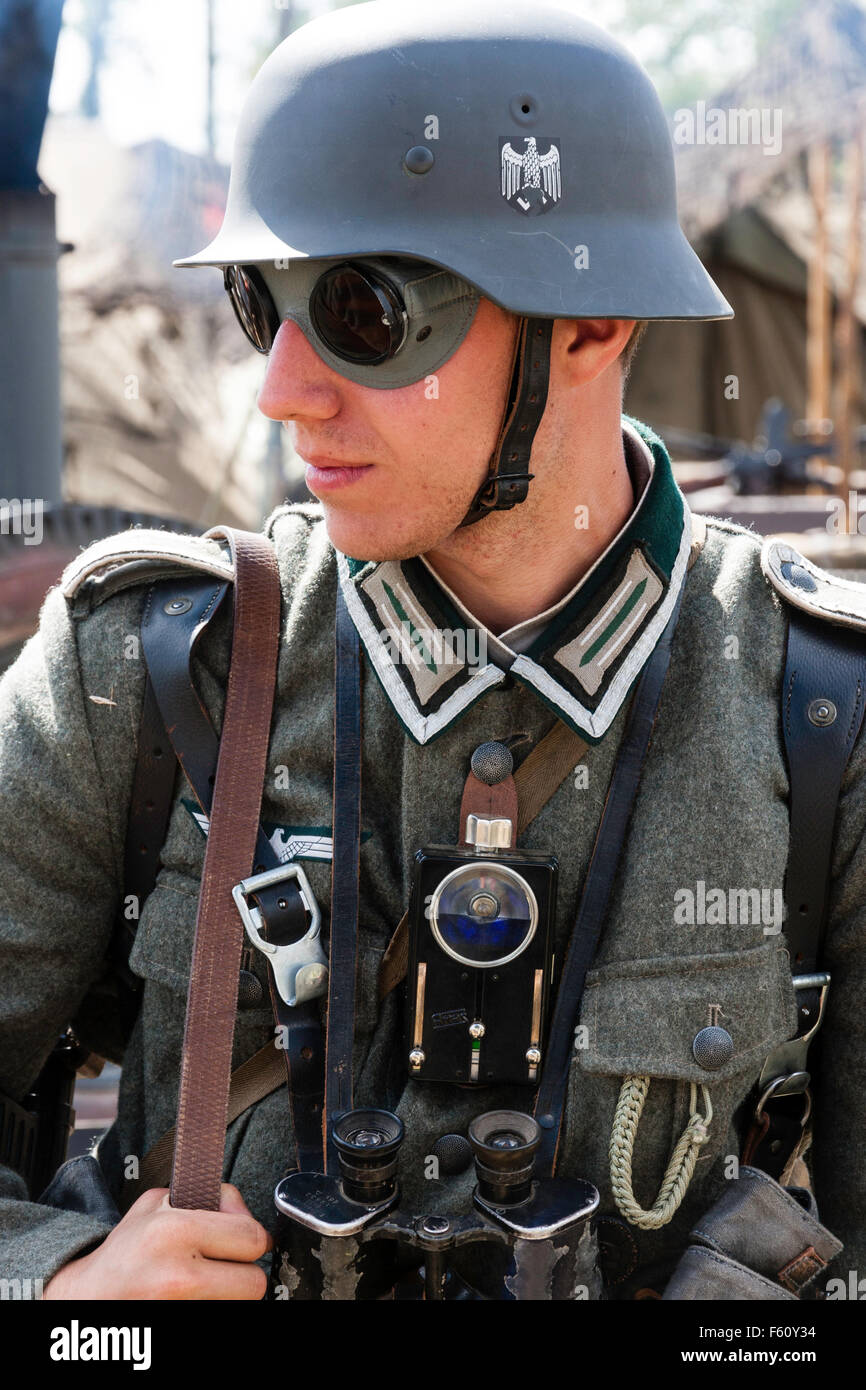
x=434, y=662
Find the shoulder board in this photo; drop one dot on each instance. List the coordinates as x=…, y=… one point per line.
x=699, y=536
x=140, y=556
x=798, y=581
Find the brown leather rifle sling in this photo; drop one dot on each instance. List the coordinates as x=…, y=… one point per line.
x=231, y=843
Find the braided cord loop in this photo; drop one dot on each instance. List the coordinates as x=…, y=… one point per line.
x=681, y=1166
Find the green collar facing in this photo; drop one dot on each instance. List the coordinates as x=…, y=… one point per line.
x=435, y=661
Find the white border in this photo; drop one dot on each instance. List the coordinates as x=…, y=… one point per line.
x=422, y=727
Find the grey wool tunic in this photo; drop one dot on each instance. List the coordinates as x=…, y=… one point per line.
x=711, y=813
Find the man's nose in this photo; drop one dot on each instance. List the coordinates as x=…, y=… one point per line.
x=297, y=384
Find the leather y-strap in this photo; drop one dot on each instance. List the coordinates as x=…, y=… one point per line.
x=344, y=874
x=212, y=999
x=598, y=884
x=508, y=477
x=823, y=702
x=173, y=621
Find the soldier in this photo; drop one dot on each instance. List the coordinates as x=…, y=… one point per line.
x=447, y=235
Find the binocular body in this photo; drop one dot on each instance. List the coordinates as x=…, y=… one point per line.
x=347, y=1238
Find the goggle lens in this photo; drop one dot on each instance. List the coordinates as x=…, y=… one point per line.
x=254, y=308
x=359, y=318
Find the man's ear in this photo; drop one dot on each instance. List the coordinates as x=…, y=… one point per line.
x=587, y=347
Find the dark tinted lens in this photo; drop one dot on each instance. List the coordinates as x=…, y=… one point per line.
x=253, y=306
x=358, y=319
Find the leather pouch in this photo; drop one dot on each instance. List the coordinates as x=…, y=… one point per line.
x=79, y=1185
x=759, y=1241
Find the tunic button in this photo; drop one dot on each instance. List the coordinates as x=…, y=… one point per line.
x=712, y=1048
x=250, y=991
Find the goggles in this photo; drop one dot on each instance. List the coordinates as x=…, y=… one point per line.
x=385, y=323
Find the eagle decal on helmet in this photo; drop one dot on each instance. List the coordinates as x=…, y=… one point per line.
x=531, y=182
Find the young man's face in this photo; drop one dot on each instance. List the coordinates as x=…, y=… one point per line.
x=395, y=470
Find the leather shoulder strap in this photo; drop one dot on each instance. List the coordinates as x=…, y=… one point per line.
x=176, y=614
x=823, y=698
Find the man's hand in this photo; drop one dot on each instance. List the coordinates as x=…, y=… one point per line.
x=160, y=1252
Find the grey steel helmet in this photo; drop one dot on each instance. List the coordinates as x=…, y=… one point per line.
x=508, y=141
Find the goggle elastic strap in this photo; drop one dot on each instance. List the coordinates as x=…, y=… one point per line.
x=508, y=477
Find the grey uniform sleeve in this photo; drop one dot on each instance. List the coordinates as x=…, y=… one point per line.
x=66, y=763
x=837, y=1066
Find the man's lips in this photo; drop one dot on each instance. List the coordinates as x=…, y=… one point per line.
x=324, y=473
x=323, y=462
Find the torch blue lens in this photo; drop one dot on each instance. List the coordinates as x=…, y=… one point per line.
x=483, y=941
x=482, y=917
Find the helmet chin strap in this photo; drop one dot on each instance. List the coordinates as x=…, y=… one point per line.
x=508, y=475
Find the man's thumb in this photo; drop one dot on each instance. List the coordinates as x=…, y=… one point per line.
x=231, y=1200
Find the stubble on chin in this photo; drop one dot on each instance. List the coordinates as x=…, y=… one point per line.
x=390, y=535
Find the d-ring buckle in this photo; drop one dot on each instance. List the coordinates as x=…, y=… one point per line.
x=795, y=1083
x=300, y=969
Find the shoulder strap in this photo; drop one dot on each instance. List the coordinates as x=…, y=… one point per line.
x=823, y=693
x=823, y=701
x=822, y=707
x=176, y=614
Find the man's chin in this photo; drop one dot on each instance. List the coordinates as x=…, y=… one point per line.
x=368, y=538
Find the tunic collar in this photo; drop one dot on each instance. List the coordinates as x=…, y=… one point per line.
x=581, y=656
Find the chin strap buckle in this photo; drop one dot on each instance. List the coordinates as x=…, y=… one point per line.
x=508, y=479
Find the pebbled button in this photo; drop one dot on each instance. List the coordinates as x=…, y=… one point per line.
x=712, y=1048
x=454, y=1153
x=492, y=763
x=250, y=992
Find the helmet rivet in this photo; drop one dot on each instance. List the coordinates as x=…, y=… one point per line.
x=418, y=160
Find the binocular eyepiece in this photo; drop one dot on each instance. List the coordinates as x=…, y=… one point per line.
x=367, y=1144
x=504, y=1143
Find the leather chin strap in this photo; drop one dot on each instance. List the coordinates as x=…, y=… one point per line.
x=508, y=477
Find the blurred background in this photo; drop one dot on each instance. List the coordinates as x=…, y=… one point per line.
x=127, y=392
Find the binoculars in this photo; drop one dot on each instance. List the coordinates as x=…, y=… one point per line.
x=346, y=1237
